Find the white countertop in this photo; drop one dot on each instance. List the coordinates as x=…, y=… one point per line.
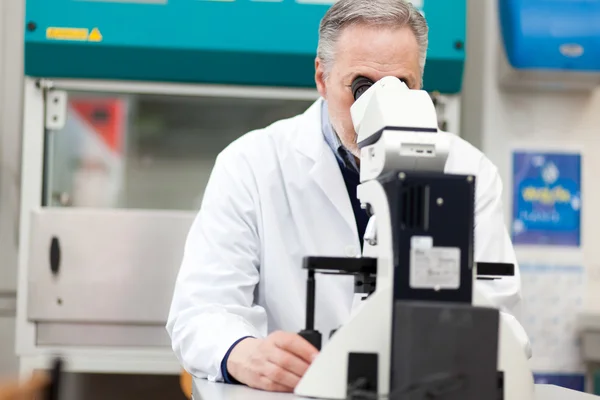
x=221, y=391
x=204, y=390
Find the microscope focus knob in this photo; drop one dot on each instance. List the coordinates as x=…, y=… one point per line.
x=313, y=337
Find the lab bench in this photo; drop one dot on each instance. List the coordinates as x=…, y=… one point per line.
x=205, y=390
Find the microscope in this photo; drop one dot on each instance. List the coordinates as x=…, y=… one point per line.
x=424, y=330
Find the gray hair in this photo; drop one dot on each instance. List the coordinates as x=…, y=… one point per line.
x=345, y=13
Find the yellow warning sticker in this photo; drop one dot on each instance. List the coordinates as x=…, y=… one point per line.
x=80, y=34
x=95, y=35
x=74, y=34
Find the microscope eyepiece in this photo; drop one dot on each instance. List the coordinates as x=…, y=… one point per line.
x=360, y=85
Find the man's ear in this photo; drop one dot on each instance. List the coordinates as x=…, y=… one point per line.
x=320, y=78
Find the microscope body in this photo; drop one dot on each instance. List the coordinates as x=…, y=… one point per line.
x=425, y=328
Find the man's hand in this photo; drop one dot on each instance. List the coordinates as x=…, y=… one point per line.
x=275, y=363
x=27, y=390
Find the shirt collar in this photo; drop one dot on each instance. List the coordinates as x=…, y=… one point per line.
x=343, y=155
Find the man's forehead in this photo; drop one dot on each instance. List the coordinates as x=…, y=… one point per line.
x=358, y=44
x=376, y=53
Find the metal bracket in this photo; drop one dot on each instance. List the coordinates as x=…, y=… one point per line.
x=440, y=107
x=56, y=107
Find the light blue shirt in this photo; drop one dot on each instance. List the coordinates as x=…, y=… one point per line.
x=343, y=155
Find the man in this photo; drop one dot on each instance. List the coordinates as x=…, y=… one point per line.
x=288, y=191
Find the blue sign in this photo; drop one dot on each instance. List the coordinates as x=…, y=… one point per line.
x=546, y=199
x=569, y=381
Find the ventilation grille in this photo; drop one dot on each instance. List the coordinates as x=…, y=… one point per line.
x=415, y=207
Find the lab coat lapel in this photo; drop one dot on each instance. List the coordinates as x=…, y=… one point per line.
x=324, y=170
x=326, y=173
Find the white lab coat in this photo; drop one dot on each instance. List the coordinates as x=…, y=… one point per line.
x=276, y=195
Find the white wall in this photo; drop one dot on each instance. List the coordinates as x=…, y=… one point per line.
x=11, y=67
x=499, y=122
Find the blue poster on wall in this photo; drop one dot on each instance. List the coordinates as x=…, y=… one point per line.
x=569, y=381
x=546, y=199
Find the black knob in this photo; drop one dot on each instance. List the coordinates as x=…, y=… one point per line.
x=54, y=255
x=313, y=337
x=360, y=85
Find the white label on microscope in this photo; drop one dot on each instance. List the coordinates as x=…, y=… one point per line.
x=435, y=268
x=421, y=242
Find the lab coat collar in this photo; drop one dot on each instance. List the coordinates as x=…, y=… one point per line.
x=309, y=139
x=323, y=166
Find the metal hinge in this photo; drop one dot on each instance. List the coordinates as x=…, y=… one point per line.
x=8, y=304
x=55, y=105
